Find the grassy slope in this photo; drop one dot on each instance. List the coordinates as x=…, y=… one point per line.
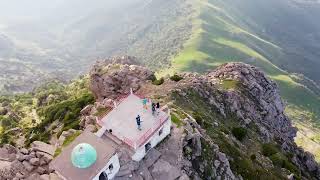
x=217, y=39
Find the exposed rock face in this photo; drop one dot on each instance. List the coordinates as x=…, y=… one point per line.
x=30, y=163
x=252, y=97
x=219, y=165
x=113, y=80
x=256, y=98
x=262, y=102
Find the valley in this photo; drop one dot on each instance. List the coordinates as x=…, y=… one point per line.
x=224, y=34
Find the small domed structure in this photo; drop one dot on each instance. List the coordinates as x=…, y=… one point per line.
x=83, y=155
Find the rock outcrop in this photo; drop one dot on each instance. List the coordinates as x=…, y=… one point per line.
x=245, y=91
x=30, y=164
x=113, y=80
x=234, y=88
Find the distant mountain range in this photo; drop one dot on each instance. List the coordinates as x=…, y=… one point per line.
x=279, y=36
x=70, y=37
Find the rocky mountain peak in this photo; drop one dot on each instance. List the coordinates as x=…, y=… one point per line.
x=260, y=99
x=110, y=80
x=233, y=90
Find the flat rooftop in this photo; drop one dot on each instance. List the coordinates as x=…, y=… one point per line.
x=122, y=120
x=63, y=165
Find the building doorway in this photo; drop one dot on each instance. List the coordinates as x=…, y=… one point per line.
x=147, y=147
x=103, y=176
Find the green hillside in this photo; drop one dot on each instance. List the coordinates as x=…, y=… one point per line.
x=220, y=36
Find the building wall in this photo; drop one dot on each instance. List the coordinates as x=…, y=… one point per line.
x=114, y=160
x=154, y=140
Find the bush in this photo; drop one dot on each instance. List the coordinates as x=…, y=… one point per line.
x=158, y=81
x=202, y=122
x=253, y=157
x=66, y=112
x=280, y=160
x=176, y=120
x=269, y=149
x=239, y=132
x=176, y=78
x=277, y=160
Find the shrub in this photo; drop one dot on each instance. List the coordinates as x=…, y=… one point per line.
x=176, y=78
x=269, y=149
x=158, y=81
x=253, y=157
x=67, y=112
x=280, y=160
x=239, y=132
x=277, y=160
x=176, y=120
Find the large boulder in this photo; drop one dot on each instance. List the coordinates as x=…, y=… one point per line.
x=34, y=161
x=29, y=167
x=43, y=147
x=113, y=80
x=162, y=170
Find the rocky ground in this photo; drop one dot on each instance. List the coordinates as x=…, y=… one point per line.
x=29, y=164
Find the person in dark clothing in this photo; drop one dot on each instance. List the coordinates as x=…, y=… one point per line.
x=153, y=108
x=158, y=108
x=138, y=122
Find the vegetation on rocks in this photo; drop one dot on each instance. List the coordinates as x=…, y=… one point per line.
x=48, y=110
x=158, y=81
x=176, y=78
x=239, y=132
x=67, y=112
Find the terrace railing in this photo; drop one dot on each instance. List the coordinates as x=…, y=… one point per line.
x=146, y=136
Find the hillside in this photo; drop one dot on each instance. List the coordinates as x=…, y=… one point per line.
x=280, y=37
x=55, y=46
x=226, y=31
x=227, y=123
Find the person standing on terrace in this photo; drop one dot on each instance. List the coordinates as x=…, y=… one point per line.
x=144, y=102
x=153, y=107
x=158, y=108
x=138, y=119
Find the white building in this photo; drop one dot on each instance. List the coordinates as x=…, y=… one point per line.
x=121, y=126
x=93, y=156
x=88, y=157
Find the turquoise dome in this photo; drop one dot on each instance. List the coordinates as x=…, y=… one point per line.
x=83, y=155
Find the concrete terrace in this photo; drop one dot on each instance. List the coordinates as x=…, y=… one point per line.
x=122, y=121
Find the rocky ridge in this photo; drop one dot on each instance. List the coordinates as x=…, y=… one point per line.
x=233, y=88
x=112, y=80
x=252, y=97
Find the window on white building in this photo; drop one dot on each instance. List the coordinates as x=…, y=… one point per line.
x=111, y=167
x=103, y=176
x=147, y=146
x=161, y=131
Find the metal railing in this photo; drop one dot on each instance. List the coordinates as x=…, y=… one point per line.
x=142, y=140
